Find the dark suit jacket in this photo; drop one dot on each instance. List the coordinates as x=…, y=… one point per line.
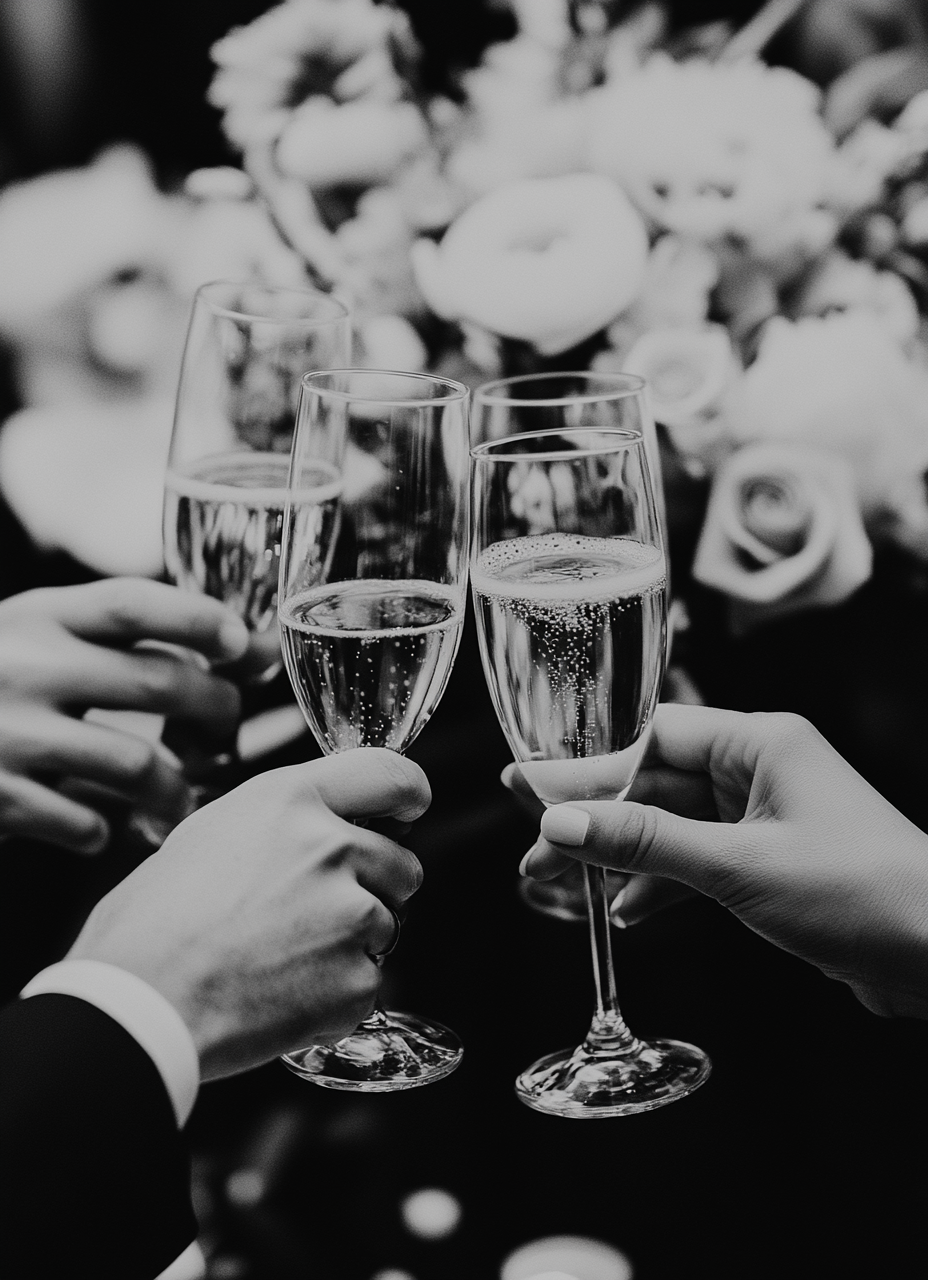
x=94, y=1174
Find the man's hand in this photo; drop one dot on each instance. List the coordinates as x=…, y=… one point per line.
x=64, y=650
x=760, y=813
x=258, y=917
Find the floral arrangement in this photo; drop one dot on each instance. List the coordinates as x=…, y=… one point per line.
x=600, y=196
x=598, y=192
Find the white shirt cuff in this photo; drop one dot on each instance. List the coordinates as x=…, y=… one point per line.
x=139, y=1009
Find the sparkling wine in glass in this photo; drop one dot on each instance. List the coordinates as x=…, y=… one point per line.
x=566, y=401
x=569, y=582
x=371, y=611
x=248, y=345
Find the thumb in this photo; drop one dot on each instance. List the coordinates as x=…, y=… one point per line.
x=637, y=838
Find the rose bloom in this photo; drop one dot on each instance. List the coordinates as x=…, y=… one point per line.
x=782, y=533
x=547, y=260
x=688, y=372
x=715, y=150
x=332, y=47
x=839, y=383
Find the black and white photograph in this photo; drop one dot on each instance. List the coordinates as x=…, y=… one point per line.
x=463, y=639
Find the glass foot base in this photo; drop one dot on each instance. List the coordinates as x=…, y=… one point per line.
x=402, y=1051
x=583, y=1084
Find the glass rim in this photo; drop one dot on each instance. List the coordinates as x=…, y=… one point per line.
x=624, y=437
x=627, y=384
x=457, y=390
x=341, y=312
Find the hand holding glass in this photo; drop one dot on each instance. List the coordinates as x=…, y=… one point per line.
x=247, y=347
x=372, y=585
x=569, y=582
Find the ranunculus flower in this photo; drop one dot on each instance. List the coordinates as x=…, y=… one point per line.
x=715, y=150
x=327, y=144
x=687, y=372
x=782, y=533
x=547, y=260
x=839, y=383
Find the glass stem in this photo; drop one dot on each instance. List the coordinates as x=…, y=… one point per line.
x=608, y=1033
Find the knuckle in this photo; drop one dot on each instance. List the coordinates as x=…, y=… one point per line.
x=638, y=834
x=409, y=874
x=159, y=675
x=786, y=727
x=122, y=599
x=134, y=757
x=399, y=775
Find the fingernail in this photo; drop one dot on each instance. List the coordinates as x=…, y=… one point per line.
x=615, y=909
x=523, y=865
x=233, y=638
x=565, y=825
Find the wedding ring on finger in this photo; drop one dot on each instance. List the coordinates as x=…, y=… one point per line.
x=397, y=926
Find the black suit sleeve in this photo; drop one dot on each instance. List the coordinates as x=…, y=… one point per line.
x=94, y=1175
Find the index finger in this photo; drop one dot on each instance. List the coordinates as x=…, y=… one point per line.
x=695, y=739
x=126, y=610
x=370, y=782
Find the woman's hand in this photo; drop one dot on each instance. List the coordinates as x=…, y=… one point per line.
x=259, y=916
x=64, y=650
x=760, y=813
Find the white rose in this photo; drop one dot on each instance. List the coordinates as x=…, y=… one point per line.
x=840, y=383
x=547, y=260
x=363, y=142
x=782, y=533
x=687, y=372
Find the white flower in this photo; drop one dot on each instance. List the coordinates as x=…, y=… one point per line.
x=687, y=372
x=389, y=342
x=867, y=158
x=547, y=260
x=65, y=233
x=336, y=47
x=681, y=275
x=840, y=283
x=782, y=533
x=358, y=143
x=715, y=150
x=518, y=124
x=231, y=239
x=841, y=384
x=101, y=500
x=375, y=244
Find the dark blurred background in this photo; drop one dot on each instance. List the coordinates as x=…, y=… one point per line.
x=802, y=1156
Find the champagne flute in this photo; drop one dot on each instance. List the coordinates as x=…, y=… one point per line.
x=247, y=347
x=534, y=402
x=371, y=611
x=569, y=581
